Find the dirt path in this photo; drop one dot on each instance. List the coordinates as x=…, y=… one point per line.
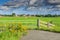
x=41, y=35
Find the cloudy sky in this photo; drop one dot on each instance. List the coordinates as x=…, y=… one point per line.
x=25, y=7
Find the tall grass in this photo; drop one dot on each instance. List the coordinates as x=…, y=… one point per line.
x=12, y=31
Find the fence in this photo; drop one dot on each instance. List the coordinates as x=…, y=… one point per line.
x=43, y=23
x=30, y=23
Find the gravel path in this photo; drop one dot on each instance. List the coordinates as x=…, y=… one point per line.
x=41, y=35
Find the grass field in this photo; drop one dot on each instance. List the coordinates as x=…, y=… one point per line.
x=31, y=22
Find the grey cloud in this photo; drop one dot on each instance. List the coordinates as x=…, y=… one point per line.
x=54, y=1
x=17, y=3
x=13, y=4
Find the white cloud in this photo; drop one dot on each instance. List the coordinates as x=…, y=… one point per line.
x=4, y=8
x=32, y=2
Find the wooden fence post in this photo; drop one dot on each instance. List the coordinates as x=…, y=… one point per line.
x=38, y=23
x=48, y=24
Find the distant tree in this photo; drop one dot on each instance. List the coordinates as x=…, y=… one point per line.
x=27, y=15
x=56, y=15
x=13, y=14
x=38, y=15
x=48, y=15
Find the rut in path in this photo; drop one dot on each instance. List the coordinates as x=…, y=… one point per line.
x=41, y=35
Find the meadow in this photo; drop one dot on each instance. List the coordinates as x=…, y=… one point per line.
x=29, y=22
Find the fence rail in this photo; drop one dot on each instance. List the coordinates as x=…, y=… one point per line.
x=30, y=23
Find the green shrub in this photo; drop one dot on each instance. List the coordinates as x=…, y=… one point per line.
x=12, y=31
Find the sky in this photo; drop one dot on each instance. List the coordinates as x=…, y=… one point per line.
x=3, y=1
x=5, y=9
x=19, y=7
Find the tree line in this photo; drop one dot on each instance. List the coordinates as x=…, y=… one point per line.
x=47, y=15
x=9, y=15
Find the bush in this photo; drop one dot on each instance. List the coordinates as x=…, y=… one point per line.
x=17, y=27
x=12, y=31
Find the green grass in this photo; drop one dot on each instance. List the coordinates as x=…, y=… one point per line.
x=31, y=23
x=9, y=36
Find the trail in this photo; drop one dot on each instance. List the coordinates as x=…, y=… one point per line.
x=41, y=35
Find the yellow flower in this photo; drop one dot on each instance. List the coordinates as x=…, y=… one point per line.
x=11, y=30
x=17, y=27
x=19, y=24
x=24, y=28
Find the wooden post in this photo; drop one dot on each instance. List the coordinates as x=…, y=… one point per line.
x=48, y=25
x=38, y=23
